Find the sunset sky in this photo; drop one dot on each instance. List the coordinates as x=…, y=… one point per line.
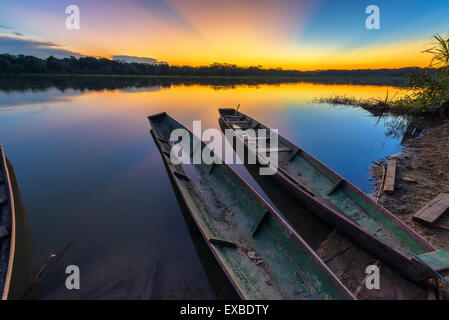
x=299, y=34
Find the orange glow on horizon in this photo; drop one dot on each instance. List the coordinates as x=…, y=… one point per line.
x=202, y=32
x=397, y=55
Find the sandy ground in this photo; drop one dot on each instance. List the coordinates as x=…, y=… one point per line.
x=422, y=174
x=348, y=262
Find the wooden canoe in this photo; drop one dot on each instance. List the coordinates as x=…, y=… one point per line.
x=344, y=206
x=7, y=227
x=260, y=253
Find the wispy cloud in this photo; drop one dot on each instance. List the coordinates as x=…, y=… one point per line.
x=16, y=33
x=41, y=49
x=303, y=34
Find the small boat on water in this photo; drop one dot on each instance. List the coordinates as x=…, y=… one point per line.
x=340, y=203
x=260, y=253
x=7, y=227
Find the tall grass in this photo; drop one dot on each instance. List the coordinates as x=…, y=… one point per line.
x=428, y=92
x=440, y=52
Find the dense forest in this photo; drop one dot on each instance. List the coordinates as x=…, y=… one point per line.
x=10, y=64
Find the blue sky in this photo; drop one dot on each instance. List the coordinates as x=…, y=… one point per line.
x=302, y=34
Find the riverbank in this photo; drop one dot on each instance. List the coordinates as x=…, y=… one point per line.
x=375, y=106
x=422, y=173
x=386, y=106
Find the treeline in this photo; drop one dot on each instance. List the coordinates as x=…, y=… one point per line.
x=20, y=64
x=14, y=83
x=98, y=83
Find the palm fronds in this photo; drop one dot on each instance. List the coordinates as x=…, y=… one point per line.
x=440, y=52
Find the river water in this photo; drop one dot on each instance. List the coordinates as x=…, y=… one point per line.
x=95, y=189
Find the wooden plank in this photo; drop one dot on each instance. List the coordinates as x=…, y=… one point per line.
x=239, y=122
x=334, y=187
x=391, y=176
x=259, y=223
x=333, y=256
x=257, y=138
x=432, y=211
x=296, y=182
x=438, y=259
x=222, y=242
x=280, y=149
x=297, y=151
x=229, y=116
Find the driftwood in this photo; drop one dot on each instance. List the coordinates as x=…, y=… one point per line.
x=390, y=178
x=432, y=213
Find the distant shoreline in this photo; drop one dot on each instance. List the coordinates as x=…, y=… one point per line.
x=20, y=65
x=196, y=76
x=220, y=79
x=256, y=77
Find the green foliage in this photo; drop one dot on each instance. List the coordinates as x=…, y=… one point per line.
x=339, y=100
x=376, y=106
x=429, y=91
x=440, y=52
x=429, y=88
x=10, y=64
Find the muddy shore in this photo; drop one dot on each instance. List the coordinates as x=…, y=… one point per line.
x=422, y=173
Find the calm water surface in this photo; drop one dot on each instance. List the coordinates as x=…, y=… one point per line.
x=96, y=192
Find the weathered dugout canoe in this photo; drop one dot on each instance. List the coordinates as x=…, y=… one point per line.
x=7, y=227
x=344, y=206
x=262, y=256
x=24, y=270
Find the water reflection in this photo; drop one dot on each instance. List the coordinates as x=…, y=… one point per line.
x=90, y=171
x=95, y=82
x=220, y=285
x=23, y=264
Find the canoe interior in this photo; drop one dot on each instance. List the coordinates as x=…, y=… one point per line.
x=354, y=207
x=327, y=185
x=7, y=226
x=262, y=256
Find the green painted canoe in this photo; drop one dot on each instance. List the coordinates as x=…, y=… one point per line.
x=344, y=206
x=262, y=256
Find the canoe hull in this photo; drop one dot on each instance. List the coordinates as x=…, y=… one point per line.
x=7, y=220
x=342, y=291
x=192, y=215
x=408, y=266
